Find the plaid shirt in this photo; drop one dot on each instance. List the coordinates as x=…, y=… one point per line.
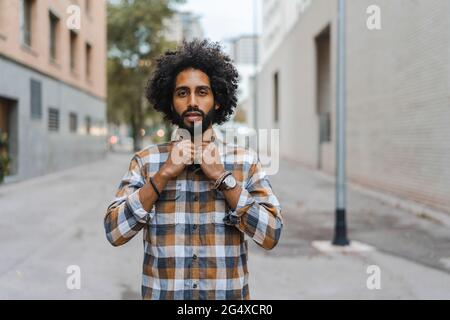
x=194, y=244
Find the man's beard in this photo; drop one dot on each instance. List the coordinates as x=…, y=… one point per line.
x=207, y=119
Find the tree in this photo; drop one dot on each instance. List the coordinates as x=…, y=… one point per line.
x=135, y=40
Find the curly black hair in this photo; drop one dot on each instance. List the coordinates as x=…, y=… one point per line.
x=202, y=55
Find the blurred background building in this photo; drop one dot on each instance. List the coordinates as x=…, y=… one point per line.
x=52, y=84
x=183, y=26
x=243, y=51
x=398, y=92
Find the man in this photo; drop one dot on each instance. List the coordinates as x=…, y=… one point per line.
x=195, y=199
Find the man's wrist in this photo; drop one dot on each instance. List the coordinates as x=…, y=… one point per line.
x=218, y=175
x=220, y=179
x=163, y=175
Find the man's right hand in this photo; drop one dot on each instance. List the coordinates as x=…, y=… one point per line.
x=181, y=154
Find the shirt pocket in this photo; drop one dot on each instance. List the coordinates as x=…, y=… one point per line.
x=166, y=206
x=220, y=204
x=171, y=192
x=162, y=229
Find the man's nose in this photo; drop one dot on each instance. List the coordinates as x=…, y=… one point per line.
x=193, y=101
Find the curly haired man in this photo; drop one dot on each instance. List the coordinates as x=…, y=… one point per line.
x=195, y=199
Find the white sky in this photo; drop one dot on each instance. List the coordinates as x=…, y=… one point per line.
x=224, y=19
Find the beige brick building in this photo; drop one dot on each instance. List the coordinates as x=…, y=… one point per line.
x=398, y=95
x=52, y=83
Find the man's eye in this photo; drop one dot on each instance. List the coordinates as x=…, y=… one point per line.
x=181, y=93
x=203, y=92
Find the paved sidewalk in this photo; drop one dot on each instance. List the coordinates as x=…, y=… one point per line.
x=52, y=222
x=412, y=253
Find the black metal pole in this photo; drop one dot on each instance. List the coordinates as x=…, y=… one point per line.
x=340, y=233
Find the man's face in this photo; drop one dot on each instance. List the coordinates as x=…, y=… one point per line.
x=193, y=100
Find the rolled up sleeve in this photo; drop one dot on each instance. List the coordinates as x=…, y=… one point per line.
x=258, y=212
x=125, y=216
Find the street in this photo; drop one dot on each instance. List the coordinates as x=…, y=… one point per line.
x=52, y=222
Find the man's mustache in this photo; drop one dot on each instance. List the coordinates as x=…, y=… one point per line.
x=193, y=110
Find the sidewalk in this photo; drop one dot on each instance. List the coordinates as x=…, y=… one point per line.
x=412, y=253
x=55, y=221
x=52, y=222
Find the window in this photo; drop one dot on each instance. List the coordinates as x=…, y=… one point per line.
x=73, y=50
x=26, y=22
x=73, y=122
x=36, y=99
x=53, y=119
x=88, y=125
x=88, y=60
x=276, y=97
x=54, y=23
x=323, y=83
x=9, y=126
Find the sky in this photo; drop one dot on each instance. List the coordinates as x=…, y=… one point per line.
x=224, y=19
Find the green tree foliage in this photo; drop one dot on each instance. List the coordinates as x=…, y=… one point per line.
x=135, y=40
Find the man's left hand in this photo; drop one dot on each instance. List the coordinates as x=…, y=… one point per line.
x=211, y=163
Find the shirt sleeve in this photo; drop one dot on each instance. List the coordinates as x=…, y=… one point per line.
x=125, y=216
x=258, y=212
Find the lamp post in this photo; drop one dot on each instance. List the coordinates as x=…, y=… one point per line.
x=340, y=235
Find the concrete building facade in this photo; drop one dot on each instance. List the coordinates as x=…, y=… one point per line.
x=243, y=50
x=52, y=83
x=398, y=95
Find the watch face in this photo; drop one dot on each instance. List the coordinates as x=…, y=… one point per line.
x=230, y=182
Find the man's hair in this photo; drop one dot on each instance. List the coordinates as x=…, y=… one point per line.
x=201, y=55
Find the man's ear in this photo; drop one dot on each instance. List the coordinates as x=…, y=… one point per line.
x=217, y=107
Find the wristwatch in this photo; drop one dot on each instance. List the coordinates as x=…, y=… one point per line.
x=228, y=183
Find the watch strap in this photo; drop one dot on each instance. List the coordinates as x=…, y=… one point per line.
x=219, y=181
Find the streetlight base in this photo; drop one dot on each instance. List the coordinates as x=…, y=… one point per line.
x=340, y=232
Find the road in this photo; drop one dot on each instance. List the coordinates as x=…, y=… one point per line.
x=50, y=223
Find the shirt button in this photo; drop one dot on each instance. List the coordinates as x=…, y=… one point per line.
x=194, y=227
x=194, y=286
x=194, y=257
x=195, y=198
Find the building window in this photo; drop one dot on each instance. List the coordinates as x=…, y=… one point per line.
x=88, y=125
x=36, y=99
x=73, y=50
x=9, y=131
x=276, y=98
x=323, y=83
x=53, y=119
x=88, y=60
x=73, y=122
x=53, y=41
x=26, y=21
